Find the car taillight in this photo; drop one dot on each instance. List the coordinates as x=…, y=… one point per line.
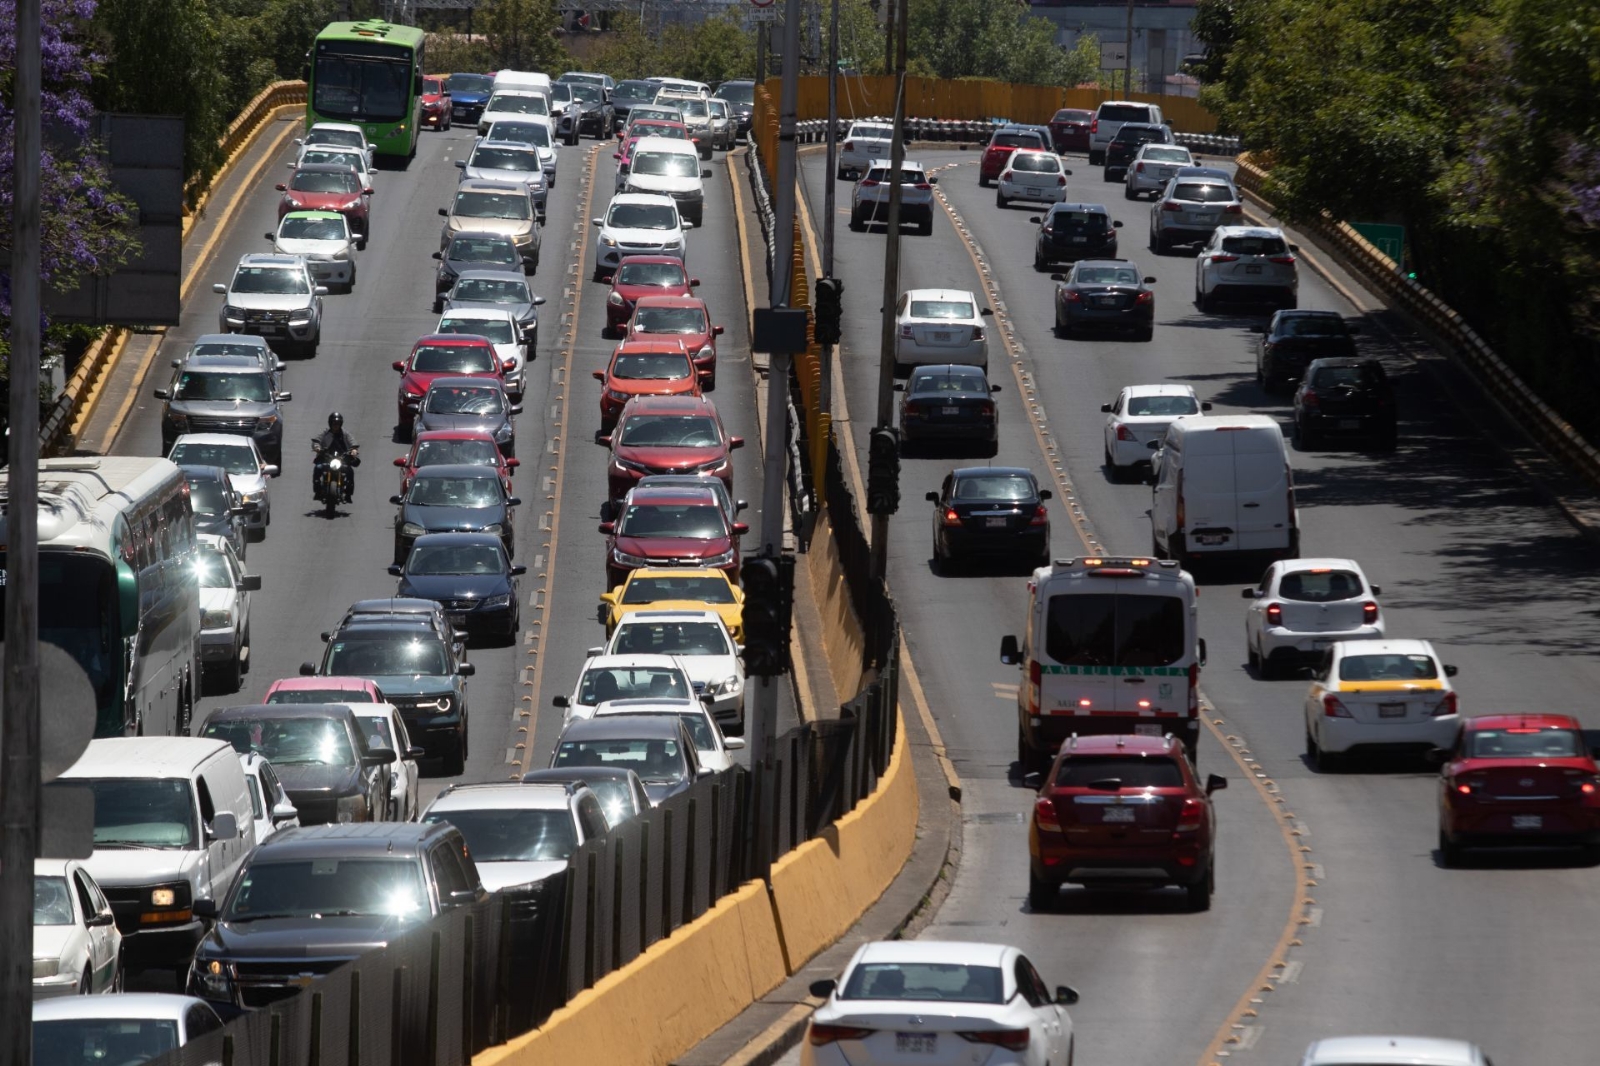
x=1144, y=298
x=849, y=146
x=1047, y=229
x=1369, y=613
x=1094, y=127
x=1040, y=516
x=869, y=183
x=1061, y=179
x=1124, y=433
x=1274, y=614
x=1463, y=788
x=1139, y=169
x=1191, y=816
x=1224, y=258
x=1233, y=209
x=1111, y=234
x=977, y=333
x=1072, y=296
x=1010, y=1039
x=508, y=364
x=913, y=408
x=923, y=185
x=1170, y=205
x=986, y=409
x=1310, y=399
x=1044, y=815
x=905, y=332
x=827, y=1034
x=1332, y=708
x=1281, y=260
x=1445, y=706
x=1194, y=690
x=1034, y=675
x=950, y=517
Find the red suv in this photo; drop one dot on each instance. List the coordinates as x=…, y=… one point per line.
x=1007, y=139
x=454, y=447
x=668, y=435
x=1519, y=780
x=684, y=318
x=643, y=275
x=1069, y=129
x=435, y=102
x=438, y=355
x=1120, y=809
x=649, y=366
x=671, y=526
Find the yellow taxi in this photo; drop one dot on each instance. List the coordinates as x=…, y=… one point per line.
x=675, y=590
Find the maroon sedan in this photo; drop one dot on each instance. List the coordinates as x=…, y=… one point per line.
x=325, y=187
x=671, y=526
x=1069, y=129
x=683, y=318
x=643, y=275
x=668, y=435
x=454, y=447
x=442, y=355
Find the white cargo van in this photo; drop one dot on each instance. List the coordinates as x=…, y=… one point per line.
x=521, y=79
x=1223, y=486
x=668, y=167
x=172, y=823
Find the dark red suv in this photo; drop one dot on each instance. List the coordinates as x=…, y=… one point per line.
x=1121, y=810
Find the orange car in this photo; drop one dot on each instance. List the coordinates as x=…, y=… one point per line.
x=646, y=366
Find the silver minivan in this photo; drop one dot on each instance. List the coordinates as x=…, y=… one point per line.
x=1223, y=486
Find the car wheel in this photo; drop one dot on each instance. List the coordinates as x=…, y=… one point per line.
x=1304, y=435
x=1322, y=760
x=1147, y=334
x=1388, y=439
x=456, y=762
x=438, y=306
x=1039, y=263
x=925, y=227
x=1096, y=158
x=1042, y=895
x=1198, y=895
x=983, y=182
x=1450, y=850
x=1208, y=302
x=1128, y=193
x=247, y=648
x=233, y=677
x=857, y=223
x=350, y=286
x=999, y=201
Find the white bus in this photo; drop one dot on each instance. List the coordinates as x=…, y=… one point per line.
x=117, y=586
x=1110, y=645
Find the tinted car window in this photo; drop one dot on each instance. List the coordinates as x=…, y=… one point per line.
x=624, y=682
x=1107, y=629
x=1254, y=245
x=1163, y=405
x=1388, y=668
x=1036, y=162
x=1016, y=140
x=502, y=835
x=1134, y=771
x=1203, y=193
x=301, y=888
x=1311, y=326
x=1524, y=743
x=1124, y=113
x=924, y=981
x=995, y=487
x=453, y=358
x=483, y=250
x=1320, y=586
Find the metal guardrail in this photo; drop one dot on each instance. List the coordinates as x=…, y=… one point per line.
x=966, y=131
x=1500, y=383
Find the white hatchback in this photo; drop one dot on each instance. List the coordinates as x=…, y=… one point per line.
x=1138, y=417
x=1302, y=606
x=1390, y=1050
x=1032, y=175
x=500, y=327
x=940, y=326
x=638, y=224
x=76, y=946
x=1379, y=694
x=699, y=641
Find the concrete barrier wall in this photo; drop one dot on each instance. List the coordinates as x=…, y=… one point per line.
x=842, y=639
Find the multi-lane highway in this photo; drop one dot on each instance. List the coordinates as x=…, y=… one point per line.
x=1469, y=556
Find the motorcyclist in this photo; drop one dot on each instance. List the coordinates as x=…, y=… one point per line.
x=335, y=441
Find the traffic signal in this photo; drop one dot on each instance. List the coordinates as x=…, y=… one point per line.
x=828, y=309
x=768, y=610
x=883, y=471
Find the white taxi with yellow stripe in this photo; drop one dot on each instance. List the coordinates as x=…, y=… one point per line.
x=1379, y=694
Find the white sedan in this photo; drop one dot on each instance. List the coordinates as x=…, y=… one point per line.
x=1366, y=694
x=715, y=751
x=386, y=729
x=77, y=949
x=1302, y=606
x=702, y=644
x=1433, y=1051
x=500, y=327
x=1140, y=415
x=619, y=677
x=940, y=326
x=241, y=458
x=939, y=1003
x=224, y=608
x=270, y=806
x=1035, y=176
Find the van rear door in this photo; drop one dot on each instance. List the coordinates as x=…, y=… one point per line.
x=1210, y=513
x=1113, y=653
x=1261, y=488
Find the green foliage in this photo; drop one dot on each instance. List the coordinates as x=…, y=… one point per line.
x=451, y=52
x=522, y=34
x=713, y=50
x=627, y=51
x=989, y=39
x=861, y=44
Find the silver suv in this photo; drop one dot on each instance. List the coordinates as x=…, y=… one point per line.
x=275, y=297
x=1246, y=263
x=224, y=394
x=869, y=199
x=1194, y=203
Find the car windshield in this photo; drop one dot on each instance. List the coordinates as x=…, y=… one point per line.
x=669, y=320
x=603, y=684
x=737, y=92
x=491, y=205
x=1114, y=629
x=287, y=741
x=719, y=108
x=667, y=164
x=1006, y=487
x=335, y=157
x=1159, y=154
x=642, y=216
x=211, y=566
x=1321, y=585
x=1162, y=406
x=249, y=351
x=657, y=762
x=1254, y=245
x=560, y=93
x=321, y=695
x=633, y=90
x=498, y=330
x=1390, y=667
x=662, y=275
x=1311, y=326
x=504, y=834
x=469, y=83
x=942, y=309
x=454, y=359
x=363, y=657
x=441, y=452
x=926, y=381
x=670, y=431
x=670, y=638
x=1517, y=742
x=247, y=388
x=98, y=1041
x=465, y=401
x=695, y=108
x=314, y=229
x=376, y=730
x=534, y=133
x=694, y=521
x=344, y=138
x=139, y=812
x=508, y=290
x=455, y=491
x=325, y=181
x=1107, y=275
x=1016, y=140
x=1199, y=192
x=484, y=250
x=519, y=159
x=52, y=901
x=235, y=459
x=271, y=281
x=456, y=559
x=942, y=981
x=519, y=104
x=208, y=498
x=326, y=888
x=1334, y=377
x=715, y=590
x=649, y=366
x=1131, y=771
x=675, y=130
x=582, y=90
x=640, y=115
x=1036, y=162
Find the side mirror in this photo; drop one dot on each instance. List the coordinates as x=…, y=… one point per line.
x=250, y=583
x=740, y=528
x=685, y=224
x=1153, y=445
x=594, y=222
x=367, y=191
x=518, y=569
x=443, y=213
x=1258, y=328
x=822, y=989
x=395, y=569
x=694, y=283
x=1437, y=756
x=1036, y=220
x=282, y=812
x=734, y=743
x=1451, y=671
x=436, y=255
x=931, y=497
x=1106, y=408
x=285, y=397
x=1058, y=277
x=1247, y=594
x=466, y=669
x=608, y=528
x=986, y=311
x=1294, y=247
x=899, y=386
x=399, y=460
x=224, y=826
x=271, y=469
x=1010, y=653
x=1377, y=590
x=598, y=375
x=1117, y=224
x=706, y=172
x=461, y=164
x=994, y=388
x=1215, y=782
x=560, y=701
x=201, y=908
x=397, y=500
x=271, y=236
x=160, y=394
x=378, y=757
x=321, y=290
x=1150, y=281
x=512, y=464
x=739, y=505
x=1205, y=405
x=414, y=753
x=513, y=501
x=308, y=669
x=1066, y=995
x=1046, y=494
x=281, y=187
x=717, y=331
x=603, y=439
x=538, y=301
x=735, y=442
x=935, y=180
x=220, y=289
x=104, y=918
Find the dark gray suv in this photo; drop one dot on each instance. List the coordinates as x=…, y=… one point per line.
x=224, y=394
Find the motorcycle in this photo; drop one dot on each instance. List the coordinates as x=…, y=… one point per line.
x=330, y=477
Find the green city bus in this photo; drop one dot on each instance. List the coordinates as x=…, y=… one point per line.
x=369, y=73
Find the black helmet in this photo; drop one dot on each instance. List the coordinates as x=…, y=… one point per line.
x=336, y=421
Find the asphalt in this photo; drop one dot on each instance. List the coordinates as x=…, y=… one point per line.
x=1470, y=555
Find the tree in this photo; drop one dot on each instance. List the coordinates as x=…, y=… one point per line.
x=627, y=51
x=987, y=39
x=860, y=37
x=523, y=34
x=720, y=49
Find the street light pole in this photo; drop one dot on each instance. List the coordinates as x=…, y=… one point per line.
x=829, y=199
x=1127, y=56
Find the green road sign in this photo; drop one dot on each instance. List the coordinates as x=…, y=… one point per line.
x=1386, y=238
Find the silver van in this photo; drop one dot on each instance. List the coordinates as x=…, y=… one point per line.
x=1223, y=486
x=1108, y=119
x=172, y=824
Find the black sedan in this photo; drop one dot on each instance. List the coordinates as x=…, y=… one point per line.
x=993, y=511
x=1345, y=398
x=452, y=499
x=948, y=401
x=1293, y=338
x=470, y=575
x=1105, y=294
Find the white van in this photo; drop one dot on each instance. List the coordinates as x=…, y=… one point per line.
x=1223, y=486
x=668, y=167
x=1111, y=645
x=172, y=824
x=521, y=79
x=1108, y=119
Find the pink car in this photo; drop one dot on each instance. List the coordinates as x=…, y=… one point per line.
x=323, y=690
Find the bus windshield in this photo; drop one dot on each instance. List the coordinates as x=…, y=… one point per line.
x=78, y=613
x=361, y=80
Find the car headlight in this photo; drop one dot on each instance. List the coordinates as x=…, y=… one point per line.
x=266, y=421
x=251, y=497
x=497, y=601
x=726, y=687
x=629, y=464
x=706, y=352
x=348, y=807
x=214, y=978
x=497, y=529
x=351, y=205
x=724, y=559
x=615, y=299
x=179, y=422
x=622, y=558
x=231, y=311
x=615, y=395
x=503, y=434
x=607, y=242
x=214, y=620
x=411, y=529
x=341, y=254
x=46, y=968
x=302, y=315
x=706, y=468
x=676, y=242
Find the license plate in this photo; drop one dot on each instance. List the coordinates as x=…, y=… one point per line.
x=995, y=523
x=1527, y=821
x=1105, y=301
x=1035, y=192
x=269, y=330
x=949, y=410
x=916, y=1043
x=1117, y=814
x=1252, y=268
x=1080, y=240
x=1212, y=538
x=942, y=336
x=1147, y=729
x=1391, y=710
x=1349, y=423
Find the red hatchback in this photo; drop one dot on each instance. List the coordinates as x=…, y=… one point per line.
x=671, y=526
x=442, y=355
x=668, y=435
x=1519, y=780
x=325, y=187
x=435, y=102
x=1122, y=810
x=643, y=275
x=684, y=318
x=454, y=447
x=1006, y=139
x=649, y=366
x=1069, y=129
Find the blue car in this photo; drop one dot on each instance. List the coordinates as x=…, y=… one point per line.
x=470, y=576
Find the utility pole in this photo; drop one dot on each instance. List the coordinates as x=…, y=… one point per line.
x=19, y=729
x=761, y=53
x=888, y=37
x=891, y=293
x=829, y=199
x=1127, y=56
